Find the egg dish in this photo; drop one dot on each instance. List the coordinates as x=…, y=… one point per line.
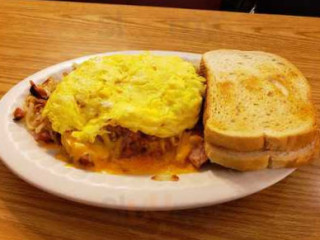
x=132, y=114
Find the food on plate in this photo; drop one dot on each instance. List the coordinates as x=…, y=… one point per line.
x=139, y=114
x=258, y=111
x=134, y=114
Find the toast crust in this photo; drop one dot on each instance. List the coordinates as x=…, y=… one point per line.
x=256, y=160
x=260, y=140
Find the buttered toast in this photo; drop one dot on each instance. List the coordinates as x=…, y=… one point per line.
x=258, y=110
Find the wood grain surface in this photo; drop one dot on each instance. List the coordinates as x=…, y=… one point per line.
x=37, y=34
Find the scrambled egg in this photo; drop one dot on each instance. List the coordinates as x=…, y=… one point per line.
x=157, y=95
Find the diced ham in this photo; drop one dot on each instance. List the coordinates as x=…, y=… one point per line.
x=85, y=161
x=37, y=91
x=198, y=156
x=18, y=114
x=44, y=136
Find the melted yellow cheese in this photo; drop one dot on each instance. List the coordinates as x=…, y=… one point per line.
x=172, y=161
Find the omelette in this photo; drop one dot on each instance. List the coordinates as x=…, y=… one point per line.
x=132, y=114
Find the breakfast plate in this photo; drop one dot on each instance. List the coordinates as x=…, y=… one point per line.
x=38, y=166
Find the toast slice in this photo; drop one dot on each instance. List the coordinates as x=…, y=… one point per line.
x=246, y=161
x=256, y=101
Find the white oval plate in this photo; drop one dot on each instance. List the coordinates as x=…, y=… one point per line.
x=20, y=152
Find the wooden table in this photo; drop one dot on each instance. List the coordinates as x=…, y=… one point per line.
x=37, y=34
